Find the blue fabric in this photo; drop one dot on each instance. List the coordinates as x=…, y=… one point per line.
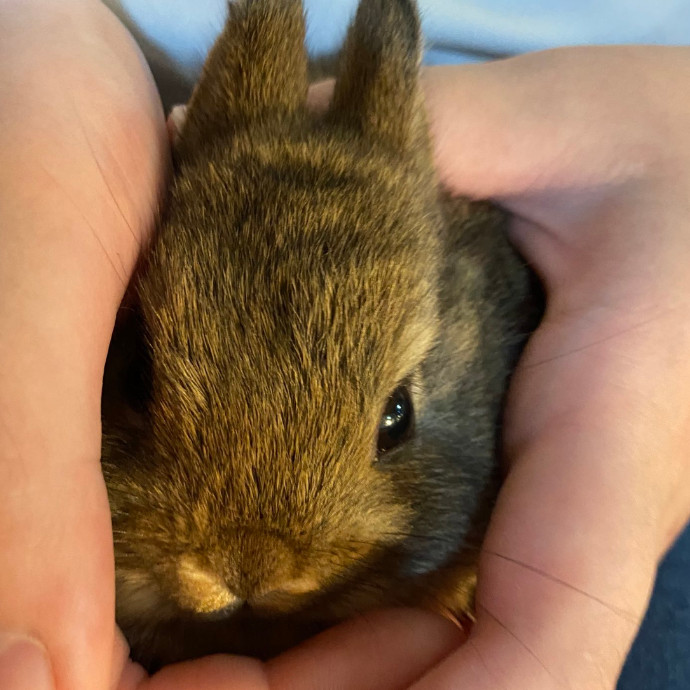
x=660, y=657
x=176, y=35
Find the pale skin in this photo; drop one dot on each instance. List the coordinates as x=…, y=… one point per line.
x=590, y=148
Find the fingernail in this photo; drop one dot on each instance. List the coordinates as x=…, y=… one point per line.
x=24, y=664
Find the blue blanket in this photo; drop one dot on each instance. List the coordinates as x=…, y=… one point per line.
x=660, y=657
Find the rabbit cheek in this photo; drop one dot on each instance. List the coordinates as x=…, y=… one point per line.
x=139, y=598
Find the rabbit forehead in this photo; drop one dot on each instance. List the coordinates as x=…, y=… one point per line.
x=321, y=262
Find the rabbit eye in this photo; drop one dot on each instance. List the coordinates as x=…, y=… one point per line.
x=395, y=426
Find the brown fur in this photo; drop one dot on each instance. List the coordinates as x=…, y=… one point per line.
x=305, y=267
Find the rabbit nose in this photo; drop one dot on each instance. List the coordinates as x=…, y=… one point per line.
x=270, y=573
x=281, y=598
x=283, y=595
x=201, y=590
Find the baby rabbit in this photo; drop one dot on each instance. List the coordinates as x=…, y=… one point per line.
x=301, y=415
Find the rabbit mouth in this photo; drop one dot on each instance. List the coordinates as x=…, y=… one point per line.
x=243, y=631
x=261, y=629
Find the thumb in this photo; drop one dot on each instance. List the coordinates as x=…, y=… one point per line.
x=80, y=159
x=569, y=118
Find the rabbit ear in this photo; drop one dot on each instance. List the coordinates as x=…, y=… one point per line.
x=377, y=91
x=257, y=69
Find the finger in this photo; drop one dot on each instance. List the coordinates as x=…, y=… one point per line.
x=382, y=651
x=319, y=95
x=563, y=118
x=385, y=650
x=221, y=672
x=125, y=674
x=66, y=207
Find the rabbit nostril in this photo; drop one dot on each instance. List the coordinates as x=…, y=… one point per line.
x=224, y=612
x=284, y=595
x=203, y=591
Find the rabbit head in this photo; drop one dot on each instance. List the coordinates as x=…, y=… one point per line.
x=324, y=338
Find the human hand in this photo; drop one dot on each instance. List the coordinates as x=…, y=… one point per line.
x=83, y=155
